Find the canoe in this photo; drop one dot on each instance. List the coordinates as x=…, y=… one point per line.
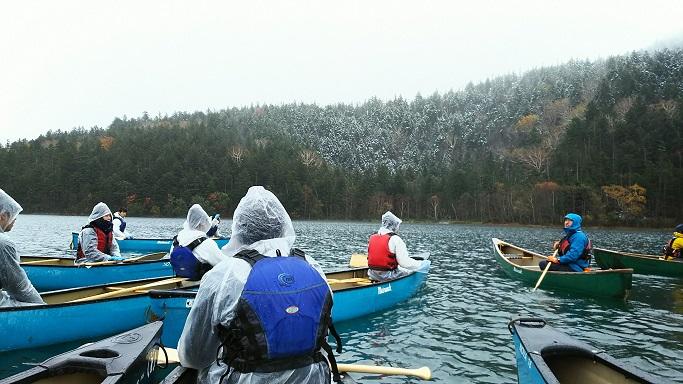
x=354, y=296
x=143, y=245
x=52, y=273
x=641, y=264
x=546, y=355
x=182, y=375
x=129, y=357
x=522, y=264
x=99, y=311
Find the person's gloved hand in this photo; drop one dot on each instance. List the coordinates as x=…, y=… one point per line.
x=553, y=259
x=116, y=258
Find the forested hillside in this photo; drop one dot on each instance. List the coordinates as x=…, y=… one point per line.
x=603, y=139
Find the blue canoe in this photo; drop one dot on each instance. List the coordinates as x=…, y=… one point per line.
x=51, y=274
x=108, y=309
x=546, y=355
x=354, y=296
x=143, y=245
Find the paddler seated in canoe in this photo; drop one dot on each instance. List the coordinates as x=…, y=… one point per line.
x=388, y=256
x=192, y=252
x=119, y=223
x=674, y=248
x=574, y=250
x=96, y=241
x=213, y=231
x=15, y=288
x=261, y=316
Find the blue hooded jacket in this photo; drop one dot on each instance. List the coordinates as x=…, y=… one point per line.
x=577, y=243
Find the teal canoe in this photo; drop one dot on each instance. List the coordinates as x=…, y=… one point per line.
x=545, y=355
x=522, y=264
x=143, y=245
x=54, y=273
x=640, y=263
x=81, y=313
x=129, y=357
x=354, y=296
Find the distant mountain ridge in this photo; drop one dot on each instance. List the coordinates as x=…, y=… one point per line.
x=475, y=154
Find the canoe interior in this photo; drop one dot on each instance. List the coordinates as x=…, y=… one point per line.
x=70, y=378
x=520, y=257
x=70, y=262
x=350, y=278
x=579, y=369
x=63, y=296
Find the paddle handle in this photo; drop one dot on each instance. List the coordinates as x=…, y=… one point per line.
x=423, y=373
x=547, y=267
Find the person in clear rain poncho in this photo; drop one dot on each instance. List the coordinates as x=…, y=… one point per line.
x=388, y=256
x=15, y=288
x=192, y=252
x=231, y=295
x=96, y=241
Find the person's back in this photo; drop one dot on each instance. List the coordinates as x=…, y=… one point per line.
x=388, y=256
x=15, y=288
x=96, y=241
x=235, y=289
x=673, y=250
x=119, y=224
x=192, y=252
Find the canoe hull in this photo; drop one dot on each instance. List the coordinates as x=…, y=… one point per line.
x=124, y=358
x=143, y=245
x=65, y=319
x=641, y=264
x=545, y=355
x=174, y=306
x=602, y=283
x=50, y=278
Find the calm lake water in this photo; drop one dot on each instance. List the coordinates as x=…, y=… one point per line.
x=456, y=324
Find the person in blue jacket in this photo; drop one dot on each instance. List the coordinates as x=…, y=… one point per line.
x=574, y=250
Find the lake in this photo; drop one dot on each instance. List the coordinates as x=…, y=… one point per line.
x=457, y=323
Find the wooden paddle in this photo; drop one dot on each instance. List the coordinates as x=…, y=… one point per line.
x=130, y=289
x=40, y=261
x=358, y=260
x=424, y=373
x=153, y=256
x=547, y=267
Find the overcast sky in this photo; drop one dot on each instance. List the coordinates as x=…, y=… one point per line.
x=65, y=64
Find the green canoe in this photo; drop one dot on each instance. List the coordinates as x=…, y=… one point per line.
x=522, y=264
x=642, y=264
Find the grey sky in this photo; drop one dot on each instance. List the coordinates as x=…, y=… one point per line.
x=65, y=64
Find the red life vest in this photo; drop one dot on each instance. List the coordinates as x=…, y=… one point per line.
x=379, y=256
x=104, y=241
x=564, y=247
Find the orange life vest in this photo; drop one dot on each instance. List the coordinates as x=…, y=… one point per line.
x=379, y=256
x=104, y=241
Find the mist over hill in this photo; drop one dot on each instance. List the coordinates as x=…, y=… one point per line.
x=601, y=138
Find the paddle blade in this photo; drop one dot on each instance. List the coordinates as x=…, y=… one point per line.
x=358, y=260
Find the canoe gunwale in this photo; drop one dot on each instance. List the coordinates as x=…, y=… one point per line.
x=68, y=304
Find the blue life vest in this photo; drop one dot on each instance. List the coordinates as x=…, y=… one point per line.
x=184, y=263
x=122, y=226
x=282, y=316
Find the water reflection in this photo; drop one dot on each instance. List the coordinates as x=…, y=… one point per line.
x=457, y=322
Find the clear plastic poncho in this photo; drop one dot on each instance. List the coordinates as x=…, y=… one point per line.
x=197, y=219
x=99, y=210
x=9, y=208
x=260, y=222
x=15, y=288
x=390, y=221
